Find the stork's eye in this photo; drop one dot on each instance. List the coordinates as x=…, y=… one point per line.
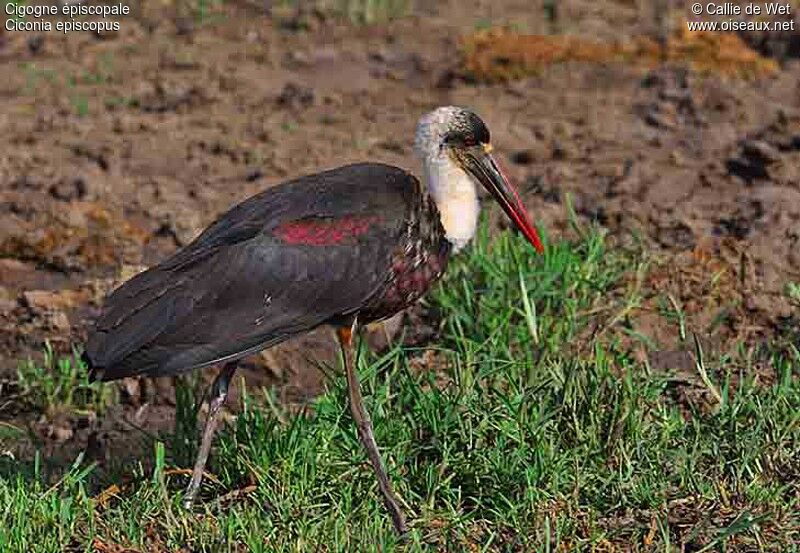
x=460, y=140
x=451, y=139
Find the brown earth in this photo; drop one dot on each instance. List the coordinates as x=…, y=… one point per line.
x=117, y=149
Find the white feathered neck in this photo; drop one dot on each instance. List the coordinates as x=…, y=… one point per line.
x=454, y=190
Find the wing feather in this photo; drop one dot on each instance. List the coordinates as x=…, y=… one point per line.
x=239, y=287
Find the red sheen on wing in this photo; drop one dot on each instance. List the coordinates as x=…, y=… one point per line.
x=324, y=232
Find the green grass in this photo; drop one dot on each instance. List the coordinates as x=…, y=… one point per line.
x=76, y=85
x=35, y=74
x=367, y=12
x=60, y=384
x=536, y=430
x=206, y=11
x=357, y=12
x=793, y=292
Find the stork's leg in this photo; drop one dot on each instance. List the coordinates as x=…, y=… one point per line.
x=364, y=425
x=217, y=395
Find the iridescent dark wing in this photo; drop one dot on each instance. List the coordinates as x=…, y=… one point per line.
x=287, y=260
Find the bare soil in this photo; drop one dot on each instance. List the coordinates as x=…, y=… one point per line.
x=117, y=149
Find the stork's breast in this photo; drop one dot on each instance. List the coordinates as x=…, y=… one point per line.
x=410, y=278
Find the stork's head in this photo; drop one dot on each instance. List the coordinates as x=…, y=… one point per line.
x=456, y=152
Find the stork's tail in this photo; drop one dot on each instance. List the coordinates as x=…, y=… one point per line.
x=95, y=373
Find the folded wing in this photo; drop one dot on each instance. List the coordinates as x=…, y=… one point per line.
x=296, y=256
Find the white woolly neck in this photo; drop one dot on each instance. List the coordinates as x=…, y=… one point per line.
x=453, y=190
x=456, y=197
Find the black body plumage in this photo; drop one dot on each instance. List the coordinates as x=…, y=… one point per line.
x=361, y=240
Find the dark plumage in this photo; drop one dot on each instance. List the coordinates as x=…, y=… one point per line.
x=345, y=247
x=247, y=282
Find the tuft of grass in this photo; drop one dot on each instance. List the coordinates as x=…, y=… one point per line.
x=80, y=103
x=184, y=440
x=61, y=384
x=35, y=74
x=793, y=292
x=206, y=11
x=527, y=427
x=103, y=73
x=357, y=12
x=500, y=54
x=368, y=12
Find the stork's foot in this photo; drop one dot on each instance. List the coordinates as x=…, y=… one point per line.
x=365, y=433
x=217, y=396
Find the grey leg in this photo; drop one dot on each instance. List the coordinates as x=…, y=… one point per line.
x=364, y=426
x=217, y=396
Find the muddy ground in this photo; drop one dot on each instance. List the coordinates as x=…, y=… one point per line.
x=117, y=149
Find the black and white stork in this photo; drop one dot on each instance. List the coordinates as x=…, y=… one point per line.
x=343, y=247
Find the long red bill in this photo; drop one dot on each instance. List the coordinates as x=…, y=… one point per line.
x=488, y=172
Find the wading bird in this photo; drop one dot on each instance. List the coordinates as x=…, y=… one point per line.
x=344, y=247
